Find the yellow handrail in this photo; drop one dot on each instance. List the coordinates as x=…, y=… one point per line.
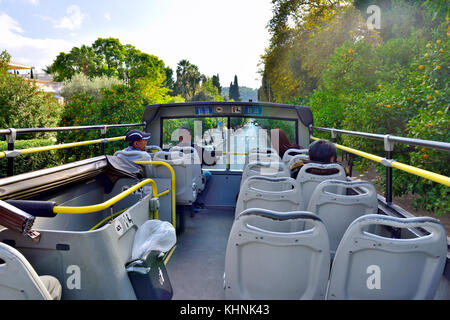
x=106, y=204
x=107, y=218
x=398, y=165
x=63, y=146
x=172, y=172
x=122, y=211
x=235, y=153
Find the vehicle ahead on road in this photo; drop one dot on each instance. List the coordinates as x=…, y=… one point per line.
x=221, y=217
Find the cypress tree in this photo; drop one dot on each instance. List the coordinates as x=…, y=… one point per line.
x=231, y=91
x=236, y=94
x=216, y=83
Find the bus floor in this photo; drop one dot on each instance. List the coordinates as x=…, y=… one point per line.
x=197, y=265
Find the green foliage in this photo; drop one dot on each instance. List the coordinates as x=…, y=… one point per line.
x=119, y=105
x=405, y=94
x=107, y=57
x=208, y=92
x=234, y=90
x=31, y=162
x=80, y=83
x=216, y=83
x=188, y=79
x=23, y=104
x=390, y=81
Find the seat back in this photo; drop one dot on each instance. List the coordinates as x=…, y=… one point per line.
x=272, y=169
x=152, y=149
x=268, y=156
x=271, y=263
x=186, y=187
x=338, y=211
x=18, y=279
x=137, y=156
x=268, y=150
x=279, y=194
x=192, y=159
x=370, y=266
x=298, y=157
x=311, y=174
x=290, y=153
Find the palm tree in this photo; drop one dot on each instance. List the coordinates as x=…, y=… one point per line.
x=188, y=79
x=84, y=57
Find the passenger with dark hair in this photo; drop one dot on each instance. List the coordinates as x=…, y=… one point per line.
x=280, y=142
x=137, y=142
x=207, y=157
x=185, y=140
x=320, y=151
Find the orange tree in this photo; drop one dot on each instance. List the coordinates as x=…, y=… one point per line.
x=399, y=87
x=119, y=105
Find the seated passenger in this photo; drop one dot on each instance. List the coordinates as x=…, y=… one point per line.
x=321, y=151
x=185, y=140
x=280, y=142
x=137, y=141
x=207, y=157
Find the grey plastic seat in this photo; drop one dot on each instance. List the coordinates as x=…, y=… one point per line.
x=268, y=150
x=153, y=148
x=279, y=194
x=185, y=182
x=298, y=157
x=137, y=156
x=264, y=263
x=291, y=153
x=192, y=159
x=19, y=280
x=272, y=169
x=370, y=266
x=311, y=174
x=338, y=211
x=262, y=155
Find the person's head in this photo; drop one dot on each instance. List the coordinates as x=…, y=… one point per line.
x=279, y=141
x=184, y=135
x=322, y=151
x=137, y=139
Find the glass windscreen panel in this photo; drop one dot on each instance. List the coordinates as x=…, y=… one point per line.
x=221, y=148
x=207, y=135
x=249, y=133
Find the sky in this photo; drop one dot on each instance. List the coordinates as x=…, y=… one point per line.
x=220, y=37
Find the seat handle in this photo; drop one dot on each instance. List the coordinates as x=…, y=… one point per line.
x=279, y=216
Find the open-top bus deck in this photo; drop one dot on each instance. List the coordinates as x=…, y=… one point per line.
x=230, y=222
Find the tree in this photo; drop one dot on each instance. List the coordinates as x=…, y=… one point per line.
x=234, y=90
x=62, y=68
x=188, y=79
x=80, y=83
x=216, y=83
x=168, y=82
x=112, y=55
x=24, y=105
x=85, y=59
x=208, y=92
x=108, y=57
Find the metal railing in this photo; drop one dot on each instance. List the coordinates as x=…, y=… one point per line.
x=388, y=162
x=11, y=136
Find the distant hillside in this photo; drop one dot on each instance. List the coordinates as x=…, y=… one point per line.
x=246, y=93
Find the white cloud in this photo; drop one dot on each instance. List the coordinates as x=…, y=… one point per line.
x=71, y=22
x=107, y=16
x=38, y=53
x=34, y=2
